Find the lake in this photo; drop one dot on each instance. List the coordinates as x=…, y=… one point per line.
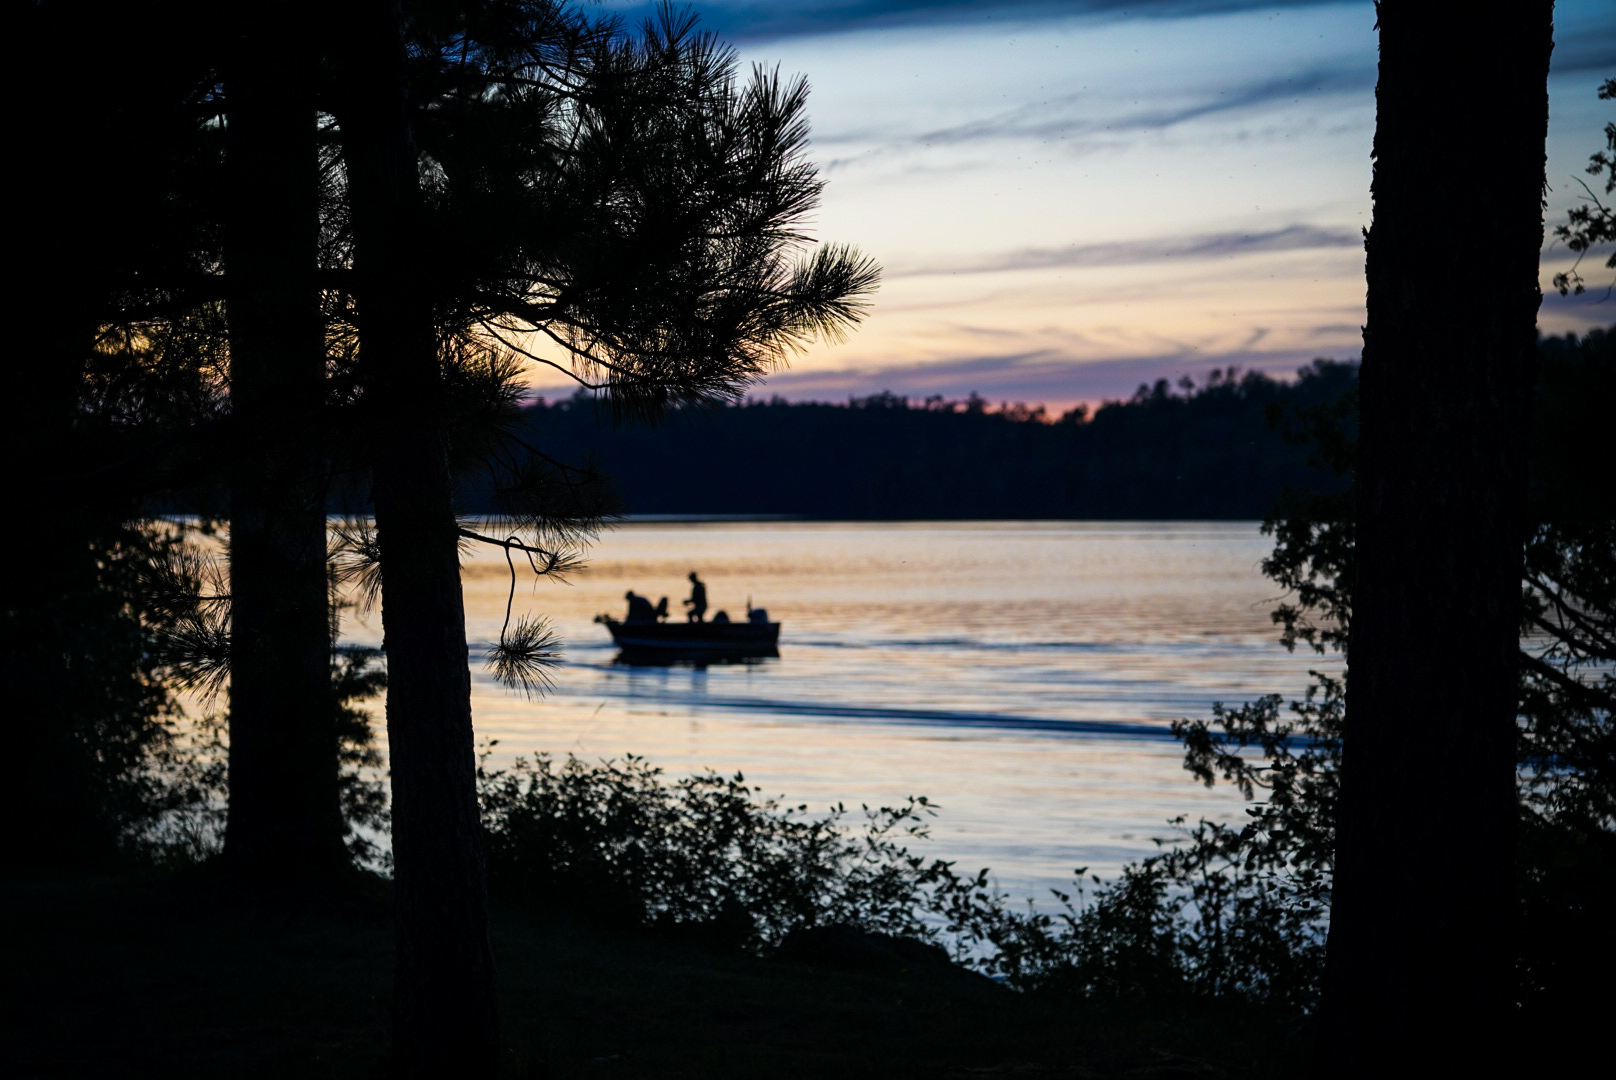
x=1022, y=675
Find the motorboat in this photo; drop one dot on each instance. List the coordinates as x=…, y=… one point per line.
x=657, y=642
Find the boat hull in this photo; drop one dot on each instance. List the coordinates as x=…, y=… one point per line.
x=664, y=642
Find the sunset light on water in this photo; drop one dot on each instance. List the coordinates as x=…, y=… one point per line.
x=978, y=664
x=647, y=541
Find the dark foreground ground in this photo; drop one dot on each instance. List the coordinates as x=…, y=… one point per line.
x=120, y=977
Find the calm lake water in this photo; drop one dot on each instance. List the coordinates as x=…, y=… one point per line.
x=1021, y=675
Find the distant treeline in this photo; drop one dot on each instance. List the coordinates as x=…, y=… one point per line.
x=1218, y=450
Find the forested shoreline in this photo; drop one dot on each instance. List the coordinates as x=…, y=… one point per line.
x=1228, y=448
x=1223, y=449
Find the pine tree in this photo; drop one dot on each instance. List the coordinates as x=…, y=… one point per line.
x=643, y=216
x=285, y=821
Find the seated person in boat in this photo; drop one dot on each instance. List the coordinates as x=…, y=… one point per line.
x=757, y=615
x=639, y=608
x=721, y=617
x=661, y=609
x=698, y=599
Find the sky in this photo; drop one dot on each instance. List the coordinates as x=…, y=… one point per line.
x=1071, y=198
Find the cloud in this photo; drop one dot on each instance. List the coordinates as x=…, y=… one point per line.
x=1135, y=252
x=1056, y=119
x=772, y=19
x=1088, y=121
x=1578, y=314
x=1584, y=40
x=763, y=20
x=1046, y=376
x=1058, y=375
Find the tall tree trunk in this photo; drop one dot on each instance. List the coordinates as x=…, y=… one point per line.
x=285, y=818
x=1421, y=946
x=57, y=304
x=445, y=1017
x=52, y=788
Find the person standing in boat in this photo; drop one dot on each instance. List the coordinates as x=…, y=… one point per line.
x=698, y=599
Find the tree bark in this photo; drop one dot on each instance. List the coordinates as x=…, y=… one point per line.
x=81, y=232
x=445, y=1016
x=1420, y=953
x=285, y=818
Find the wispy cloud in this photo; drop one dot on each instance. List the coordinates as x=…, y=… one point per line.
x=1060, y=117
x=1579, y=314
x=1126, y=189
x=1038, y=376
x=1581, y=43
x=1134, y=252
x=751, y=19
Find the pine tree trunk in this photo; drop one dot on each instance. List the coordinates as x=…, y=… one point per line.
x=71, y=205
x=51, y=793
x=1420, y=953
x=445, y=1017
x=285, y=819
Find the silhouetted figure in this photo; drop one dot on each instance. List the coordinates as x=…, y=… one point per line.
x=757, y=614
x=721, y=617
x=661, y=610
x=698, y=599
x=639, y=608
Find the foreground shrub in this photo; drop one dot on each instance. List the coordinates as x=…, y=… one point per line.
x=617, y=844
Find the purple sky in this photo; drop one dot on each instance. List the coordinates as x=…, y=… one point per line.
x=1072, y=198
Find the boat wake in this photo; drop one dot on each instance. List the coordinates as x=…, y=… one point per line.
x=887, y=715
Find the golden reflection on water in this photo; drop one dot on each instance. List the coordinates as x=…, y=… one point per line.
x=1012, y=672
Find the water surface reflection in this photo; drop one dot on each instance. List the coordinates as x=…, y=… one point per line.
x=1022, y=675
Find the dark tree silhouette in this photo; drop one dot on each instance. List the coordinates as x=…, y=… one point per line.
x=1420, y=949
x=646, y=227
x=285, y=821
x=1203, y=452
x=99, y=249
x=445, y=1016
x=642, y=214
x=1593, y=223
